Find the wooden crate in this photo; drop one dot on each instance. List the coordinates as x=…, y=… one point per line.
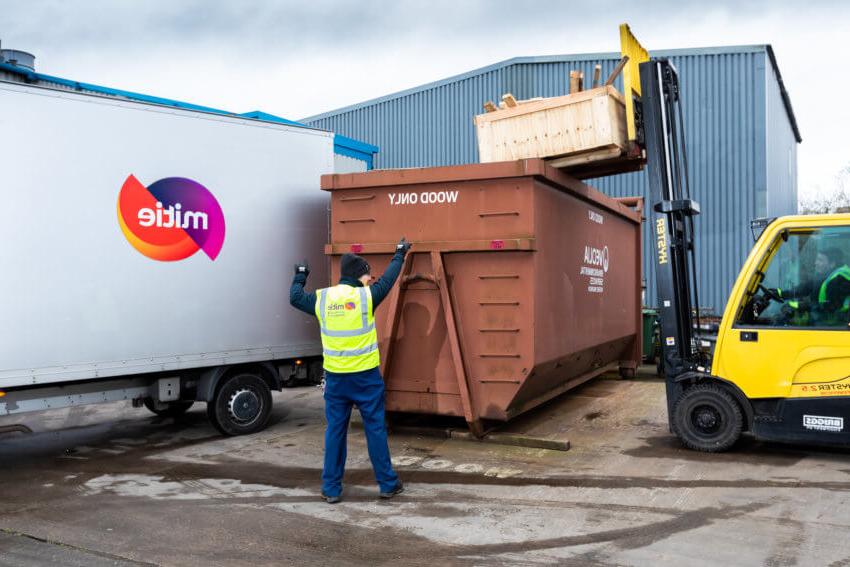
x=573, y=131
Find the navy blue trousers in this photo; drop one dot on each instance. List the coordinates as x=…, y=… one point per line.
x=366, y=391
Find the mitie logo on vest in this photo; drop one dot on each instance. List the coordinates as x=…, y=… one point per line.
x=334, y=308
x=171, y=219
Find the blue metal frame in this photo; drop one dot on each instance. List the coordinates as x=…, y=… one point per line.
x=343, y=145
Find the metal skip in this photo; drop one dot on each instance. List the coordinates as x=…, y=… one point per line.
x=522, y=283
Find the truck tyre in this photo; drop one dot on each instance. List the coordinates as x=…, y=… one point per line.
x=707, y=418
x=241, y=405
x=172, y=409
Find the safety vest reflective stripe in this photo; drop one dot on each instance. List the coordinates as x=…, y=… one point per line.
x=353, y=352
x=364, y=308
x=843, y=272
x=351, y=333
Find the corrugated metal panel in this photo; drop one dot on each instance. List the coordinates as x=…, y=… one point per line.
x=724, y=123
x=726, y=109
x=781, y=153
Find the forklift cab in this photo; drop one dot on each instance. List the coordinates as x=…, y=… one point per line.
x=784, y=340
x=800, y=281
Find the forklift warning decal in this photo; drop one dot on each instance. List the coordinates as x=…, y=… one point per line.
x=594, y=267
x=171, y=219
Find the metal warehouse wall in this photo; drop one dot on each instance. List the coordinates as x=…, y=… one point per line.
x=738, y=128
x=781, y=151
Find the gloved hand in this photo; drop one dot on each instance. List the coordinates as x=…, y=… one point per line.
x=787, y=311
x=302, y=268
x=403, y=246
x=758, y=305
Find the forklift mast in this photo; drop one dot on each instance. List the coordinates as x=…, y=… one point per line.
x=673, y=222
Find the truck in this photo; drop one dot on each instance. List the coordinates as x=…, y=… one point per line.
x=146, y=255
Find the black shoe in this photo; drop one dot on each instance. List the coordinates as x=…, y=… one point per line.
x=399, y=488
x=331, y=499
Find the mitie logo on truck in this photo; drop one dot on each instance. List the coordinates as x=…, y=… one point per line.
x=171, y=219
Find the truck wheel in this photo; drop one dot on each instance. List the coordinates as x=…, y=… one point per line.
x=171, y=409
x=242, y=404
x=707, y=418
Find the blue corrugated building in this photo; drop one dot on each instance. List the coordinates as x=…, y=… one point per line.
x=741, y=133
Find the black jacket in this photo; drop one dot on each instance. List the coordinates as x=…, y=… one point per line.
x=306, y=302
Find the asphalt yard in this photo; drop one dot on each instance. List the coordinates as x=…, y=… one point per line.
x=114, y=485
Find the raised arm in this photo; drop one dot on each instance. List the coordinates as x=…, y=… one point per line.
x=381, y=288
x=298, y=298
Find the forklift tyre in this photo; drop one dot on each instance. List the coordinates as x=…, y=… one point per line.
x=172, y=409
x=242, y=404
x=707, y=418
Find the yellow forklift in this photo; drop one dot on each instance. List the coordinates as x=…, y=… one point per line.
x=781, y=365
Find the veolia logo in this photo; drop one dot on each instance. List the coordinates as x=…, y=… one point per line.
x=171, y=219
x=596, y=257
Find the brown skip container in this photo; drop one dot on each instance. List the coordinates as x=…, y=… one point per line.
x=522, y=283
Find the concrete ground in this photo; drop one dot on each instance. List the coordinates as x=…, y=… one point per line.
x=113, y=485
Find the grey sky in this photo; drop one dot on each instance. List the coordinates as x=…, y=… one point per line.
x=301, y=58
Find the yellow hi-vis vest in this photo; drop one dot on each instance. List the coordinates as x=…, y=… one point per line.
x=349, y=340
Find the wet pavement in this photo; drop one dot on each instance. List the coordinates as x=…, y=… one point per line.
x=114, y=485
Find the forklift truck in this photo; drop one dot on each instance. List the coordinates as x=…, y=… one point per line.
x=781, y=365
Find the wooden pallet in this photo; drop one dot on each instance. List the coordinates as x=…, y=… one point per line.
x=582, y=132
x=576, y=128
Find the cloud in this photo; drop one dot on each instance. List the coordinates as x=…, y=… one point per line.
x=302, y=58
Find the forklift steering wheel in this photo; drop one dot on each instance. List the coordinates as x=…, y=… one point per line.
x=770, y=294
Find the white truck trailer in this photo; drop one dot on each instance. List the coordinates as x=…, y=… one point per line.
x=147, y=253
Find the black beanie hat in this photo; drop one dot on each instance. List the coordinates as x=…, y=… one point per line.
x=353, y=266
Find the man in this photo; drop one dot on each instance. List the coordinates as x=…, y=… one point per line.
x=833, y=295
x=346, y=314
x=826, y=300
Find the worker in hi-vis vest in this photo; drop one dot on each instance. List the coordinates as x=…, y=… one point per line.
x=346, y=314
x=824, y=301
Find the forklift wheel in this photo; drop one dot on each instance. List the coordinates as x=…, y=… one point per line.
x=707, y=418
